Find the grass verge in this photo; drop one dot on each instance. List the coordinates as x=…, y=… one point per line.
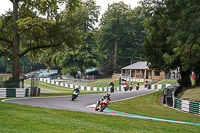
x=166, y=81
x=191, y=94
x=149, y=105
x=21, y=119
x=62, y=91
x=106, y=82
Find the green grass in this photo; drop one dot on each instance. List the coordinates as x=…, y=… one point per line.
x=62, y=91
x=4, y=77
x=192, y=94
x=166, y=81
x=106, y=82
x=22, y=119
x=149, y=105
x=103, y=83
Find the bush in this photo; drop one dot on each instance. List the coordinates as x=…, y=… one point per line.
x=13, y=83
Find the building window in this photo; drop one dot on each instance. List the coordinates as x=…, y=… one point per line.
x=157, y=73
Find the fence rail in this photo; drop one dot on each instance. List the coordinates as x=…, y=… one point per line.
x=171, y=100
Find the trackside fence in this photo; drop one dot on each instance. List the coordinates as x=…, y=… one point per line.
x=14, y=92
x=160, y=86
x=120, y=88
x=169, y=98
x=187, y=106
x=48, y=80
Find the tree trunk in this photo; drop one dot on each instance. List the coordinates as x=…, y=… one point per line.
x=15, y=67
x=82, y=73
x=185, y=78
x=115, y=56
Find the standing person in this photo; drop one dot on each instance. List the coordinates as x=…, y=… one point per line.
x=111, y=85
x=137, y=86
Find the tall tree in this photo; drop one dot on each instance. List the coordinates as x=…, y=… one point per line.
x=32, y=32
x=122, y=33
x=173, y=35
x=112, y=27
x=86, y=53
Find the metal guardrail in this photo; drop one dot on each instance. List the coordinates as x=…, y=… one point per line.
x=169, y=98
x=187, y=106
x=14, y=92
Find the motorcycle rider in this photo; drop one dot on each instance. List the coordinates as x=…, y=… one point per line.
x=107, y=96
x=111, y=85
x=137, y=86
x=146, y=84
x=76, y=90
x=131, y=85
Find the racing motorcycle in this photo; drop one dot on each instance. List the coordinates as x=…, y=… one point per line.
x=74, y=95
x=102, y=105
x=111, y=89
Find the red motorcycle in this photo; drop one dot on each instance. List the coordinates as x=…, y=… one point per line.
x=102, y=105
x=137, y=86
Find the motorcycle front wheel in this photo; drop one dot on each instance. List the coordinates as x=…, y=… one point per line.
x=73, y=97
x=103, y=107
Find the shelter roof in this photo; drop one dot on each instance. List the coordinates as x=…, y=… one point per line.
x=137, y=65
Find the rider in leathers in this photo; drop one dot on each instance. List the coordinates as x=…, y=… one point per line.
x=107, y=96
x=76, y=90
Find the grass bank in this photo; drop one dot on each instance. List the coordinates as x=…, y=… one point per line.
x=21, y=119
x=191, y=94
x=166, y=81
x=60, y=89
x=106, y=82
x=149, y=105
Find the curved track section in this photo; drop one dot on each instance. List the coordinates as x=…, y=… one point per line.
x=78, y=104
x=86, y=103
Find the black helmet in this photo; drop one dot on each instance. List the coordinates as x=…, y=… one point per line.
x=108, y=94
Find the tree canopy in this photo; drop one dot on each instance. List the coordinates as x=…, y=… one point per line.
x=122, y=34
x=37, y=25
x=85, y=54
x=172, y=40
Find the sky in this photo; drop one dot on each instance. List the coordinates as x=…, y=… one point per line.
x=6, y=4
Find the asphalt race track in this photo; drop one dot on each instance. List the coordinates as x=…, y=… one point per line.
x=86, y=103
x=79, y=104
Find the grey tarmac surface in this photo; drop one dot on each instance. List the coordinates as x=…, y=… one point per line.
x=79, y=104
x=65, y=103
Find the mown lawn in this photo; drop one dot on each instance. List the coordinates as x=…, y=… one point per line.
x=148, y=105
x=26, y=119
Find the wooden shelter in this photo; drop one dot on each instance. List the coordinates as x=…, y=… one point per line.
x=140, y=72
